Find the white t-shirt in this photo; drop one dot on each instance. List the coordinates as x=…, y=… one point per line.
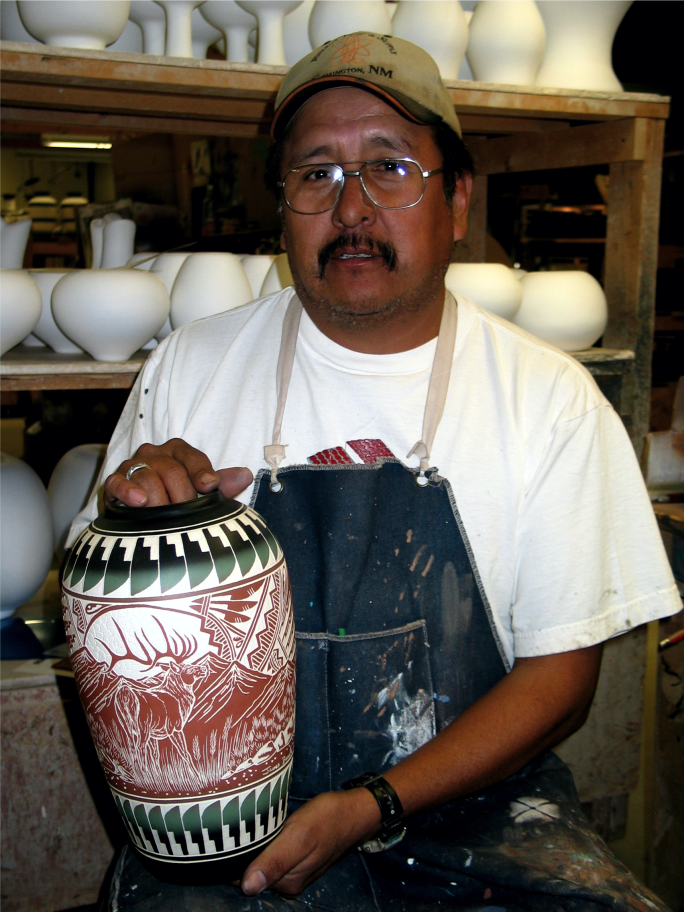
x=543, y=473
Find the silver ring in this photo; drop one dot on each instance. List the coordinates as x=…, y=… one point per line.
x=136, y=468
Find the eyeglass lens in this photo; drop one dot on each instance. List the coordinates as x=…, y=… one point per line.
x=390, y=183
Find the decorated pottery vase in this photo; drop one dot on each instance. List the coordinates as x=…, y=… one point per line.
x=181, y=633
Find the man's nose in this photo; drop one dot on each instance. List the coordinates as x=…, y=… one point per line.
x=354, y=206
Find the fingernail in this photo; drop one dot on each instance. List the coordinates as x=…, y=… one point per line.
x=208, y=478
x=138, y=497
x=254, y=883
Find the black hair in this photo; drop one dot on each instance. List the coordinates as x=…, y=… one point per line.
x=456, y=159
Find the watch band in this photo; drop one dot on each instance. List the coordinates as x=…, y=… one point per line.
x=392, y=829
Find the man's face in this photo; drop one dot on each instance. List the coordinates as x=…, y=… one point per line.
x=358, y=265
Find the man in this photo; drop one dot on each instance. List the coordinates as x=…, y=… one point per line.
x=477, y=576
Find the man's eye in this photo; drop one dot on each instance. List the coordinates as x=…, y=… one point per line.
x=389, y=166
x=317, y=174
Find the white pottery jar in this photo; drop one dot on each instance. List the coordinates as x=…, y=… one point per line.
x=178, y=26
x=70, y=485
x=331, y=18
x=437, y=26
x=26, y=538
x=206, y=284
x=235, y=23
x=269, y=14
x=489, y=285
x=130, y=40
x=256, y=266
x=70, y=23
x=46, y=329
x=13, y=240
x=11, y=26
x=507, y=40
x=296, y=33
x=203, y=35
x=278, y=276
x=566, y=309
x=167, y=267
x=579, y=41
x=118, y=244
x=21, y=304
x=96, y=228
x=110, y=314
x=152, y=20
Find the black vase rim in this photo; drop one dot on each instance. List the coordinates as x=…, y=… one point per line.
x=205, y=509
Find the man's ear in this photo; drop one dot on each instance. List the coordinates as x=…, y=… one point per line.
x=460, y=203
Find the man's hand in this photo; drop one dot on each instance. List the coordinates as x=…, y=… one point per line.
x=312, y=839
x=176, y=473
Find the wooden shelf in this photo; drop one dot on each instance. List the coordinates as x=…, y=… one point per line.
x=28, y=368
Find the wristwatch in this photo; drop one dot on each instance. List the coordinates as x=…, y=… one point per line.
x=392, y=829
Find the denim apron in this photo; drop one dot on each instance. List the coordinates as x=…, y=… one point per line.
x=396, y=638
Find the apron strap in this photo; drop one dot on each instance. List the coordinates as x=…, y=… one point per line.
x=274, y=453
x=439, y=385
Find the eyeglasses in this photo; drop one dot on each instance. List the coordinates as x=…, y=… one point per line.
x=390, y=183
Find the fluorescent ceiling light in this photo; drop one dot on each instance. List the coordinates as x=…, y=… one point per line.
x=73, y=144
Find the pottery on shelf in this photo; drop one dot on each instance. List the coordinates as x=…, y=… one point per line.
x=167, y=266
x=277, y=277
x=206, y=284
x=203, y=35
x=130, y=41
x=235, y=23
x=143, y=260
x=21, y=304
x=579, y=42
x=46, y=329
x=507, y=40
x=331, y=18
x=152, y=20
x=489, y=285
x=118, y=244
x=257, y=266
x=296, y=33
x=185, y=662
x=26, y=538
x=13, y=240
x=70, y=485
x=178, y=26
x=110, y=314
x=567, y=309
x=11, y=26
x=70, y=23
x=439, y=27
x=269, y=14
x=96, y=229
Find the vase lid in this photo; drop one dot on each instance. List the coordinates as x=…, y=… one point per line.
x=206, y=509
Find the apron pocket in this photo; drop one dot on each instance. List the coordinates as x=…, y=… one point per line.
x=364, y=702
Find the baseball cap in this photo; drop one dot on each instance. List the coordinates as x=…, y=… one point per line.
x=398, y=71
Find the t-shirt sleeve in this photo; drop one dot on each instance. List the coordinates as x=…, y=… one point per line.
x=590, y=560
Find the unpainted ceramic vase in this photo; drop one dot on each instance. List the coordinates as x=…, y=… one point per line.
x=579, y=41
x=507, y=41
x=269, y=14
x=278, y=276
x=26, y=538
x=69, y=23
x=70, y=485
x=152, y=20
x=181, y=635
x=13, y=240
x=178, y=26
x=489, y=285
x=235, y=23
x=110, y=314
x=21, y=304
x=96, y=229
x=130, y=41
x=439, y=27
x=203, y=35
x=207, y=284
x=167, y=267
x=11, y=26
x=296, y=32
x=46, y=329
x=567, y=309
x=257, y=266
x=331, y=18
x=118, y=243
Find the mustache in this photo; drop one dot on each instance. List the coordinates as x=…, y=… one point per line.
x=382, y=248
